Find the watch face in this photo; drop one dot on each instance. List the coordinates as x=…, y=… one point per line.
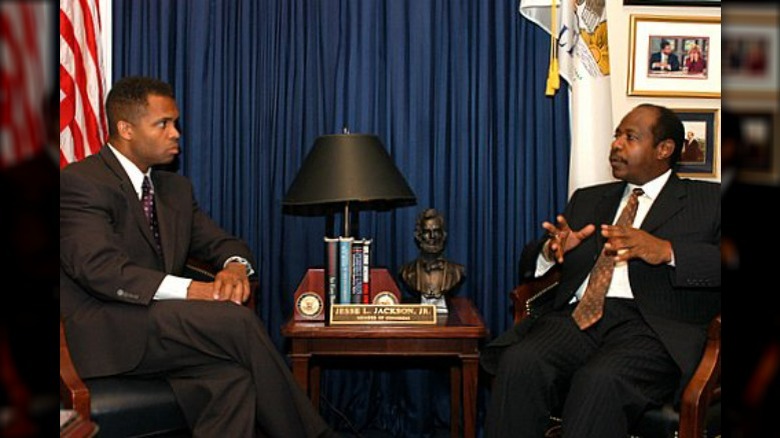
x=385, y=298
x=310, y=304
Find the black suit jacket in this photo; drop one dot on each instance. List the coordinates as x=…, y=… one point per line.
x=677, y=302
x=673, y=61
x=109, y=268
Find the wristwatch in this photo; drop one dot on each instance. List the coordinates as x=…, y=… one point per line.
x=243, y=261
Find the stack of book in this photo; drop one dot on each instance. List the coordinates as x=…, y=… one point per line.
x=347, y=269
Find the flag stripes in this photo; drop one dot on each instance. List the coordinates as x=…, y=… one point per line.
x=82, y=82
x=21, y=82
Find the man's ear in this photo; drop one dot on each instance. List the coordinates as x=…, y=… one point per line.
x=665, y=149
x=125, y=129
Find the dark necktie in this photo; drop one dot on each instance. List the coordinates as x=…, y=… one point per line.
x=147, y=201
x=591, y=306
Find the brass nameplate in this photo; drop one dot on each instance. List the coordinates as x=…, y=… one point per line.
x=383, y=314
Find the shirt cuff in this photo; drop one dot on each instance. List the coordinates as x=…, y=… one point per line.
x=542, y=264
x=172, y=288
x=243, y=261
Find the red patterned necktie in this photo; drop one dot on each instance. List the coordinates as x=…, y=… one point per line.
x=147, y=201
x=591, y=306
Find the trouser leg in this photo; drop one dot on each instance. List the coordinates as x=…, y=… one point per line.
x=533, y=374
x=630, y=371
x=193, y=334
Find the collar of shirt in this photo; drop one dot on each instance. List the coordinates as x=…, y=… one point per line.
x=133, y=172
x=652, y=188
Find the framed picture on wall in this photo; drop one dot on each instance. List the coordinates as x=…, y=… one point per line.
x=674, y=56
x=699, y=157
x=751, y=45
x=759, y=123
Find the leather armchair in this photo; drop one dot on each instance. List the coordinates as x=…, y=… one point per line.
x=128, y=406
x=700, y=402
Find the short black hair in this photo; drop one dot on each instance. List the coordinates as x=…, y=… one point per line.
x=128, y=98
x=667, y=126
x=665, y=43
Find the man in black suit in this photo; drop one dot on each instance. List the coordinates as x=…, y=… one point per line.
x=664, y=290
x=664, y=60
x=127, y=310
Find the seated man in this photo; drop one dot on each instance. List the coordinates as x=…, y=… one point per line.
x=640, y=282
x=126, y=231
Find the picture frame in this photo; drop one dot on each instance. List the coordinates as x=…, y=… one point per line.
x=759, y=122
x=751, y=44
x=701, y=149
x=671, y=3
x=677, y=72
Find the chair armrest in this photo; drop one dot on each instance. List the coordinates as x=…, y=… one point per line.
x=533, y=293
x=703, y=388
x=73, y=392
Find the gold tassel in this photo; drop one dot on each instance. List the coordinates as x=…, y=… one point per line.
x=553, y=73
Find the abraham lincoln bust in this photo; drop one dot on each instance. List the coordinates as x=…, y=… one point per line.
x=430, y=273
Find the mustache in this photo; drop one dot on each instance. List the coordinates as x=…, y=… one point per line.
x=615, y=157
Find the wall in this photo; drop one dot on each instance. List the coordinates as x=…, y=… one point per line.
x=618, y=17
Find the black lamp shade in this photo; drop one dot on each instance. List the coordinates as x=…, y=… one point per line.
x=348, y=168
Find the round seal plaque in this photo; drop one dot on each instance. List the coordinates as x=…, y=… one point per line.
x=310, y=305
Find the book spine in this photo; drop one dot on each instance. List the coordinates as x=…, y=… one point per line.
x=345, y=270
x=357, y=272
x=367, y=271
x=331, y=269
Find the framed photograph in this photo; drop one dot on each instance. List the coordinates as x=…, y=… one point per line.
x=674, y=56
x=760, y=124
x=699, y=157
x=671, y=3
x=751, y=44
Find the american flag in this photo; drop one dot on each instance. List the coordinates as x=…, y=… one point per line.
x=22, y=86
x=82, y=81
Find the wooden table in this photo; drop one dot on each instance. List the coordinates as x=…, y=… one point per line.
x=456, y=337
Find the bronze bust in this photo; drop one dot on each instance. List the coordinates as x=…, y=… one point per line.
x=430, y=273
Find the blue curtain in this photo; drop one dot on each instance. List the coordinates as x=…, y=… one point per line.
x=455, y=90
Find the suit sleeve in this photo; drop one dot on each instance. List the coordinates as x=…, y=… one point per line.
x=212, y=244
x=697, y=261
x=92, y=253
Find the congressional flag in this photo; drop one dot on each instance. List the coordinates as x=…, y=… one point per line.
x=579, y=51
x=22, y=85
x=82, y=81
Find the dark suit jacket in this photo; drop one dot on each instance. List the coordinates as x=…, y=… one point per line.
x=673, y=61
x=109, y=268
x=677, y=302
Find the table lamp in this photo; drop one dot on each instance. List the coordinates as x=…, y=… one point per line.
x=349, y=170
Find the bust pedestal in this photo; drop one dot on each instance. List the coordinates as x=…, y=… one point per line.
x=440, y=302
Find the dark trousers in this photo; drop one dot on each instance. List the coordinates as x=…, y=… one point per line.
x=602, y=378
x=228, y=377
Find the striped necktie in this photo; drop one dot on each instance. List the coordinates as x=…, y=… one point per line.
x=591, y=306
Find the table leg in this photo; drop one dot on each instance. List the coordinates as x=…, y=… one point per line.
x=314, y=384
x=300, y=369
x=455, y=394
x=470, y=375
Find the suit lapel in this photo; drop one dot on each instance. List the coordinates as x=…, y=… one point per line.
x=606, y=209
x=670, y=201
x=166, y=219
x=136, y=210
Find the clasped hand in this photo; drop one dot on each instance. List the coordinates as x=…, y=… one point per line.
x=625, y=243
x=230, y=284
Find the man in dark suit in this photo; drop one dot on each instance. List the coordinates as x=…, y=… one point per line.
x=664, y=290
x=127, y=310
x=664, y=60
